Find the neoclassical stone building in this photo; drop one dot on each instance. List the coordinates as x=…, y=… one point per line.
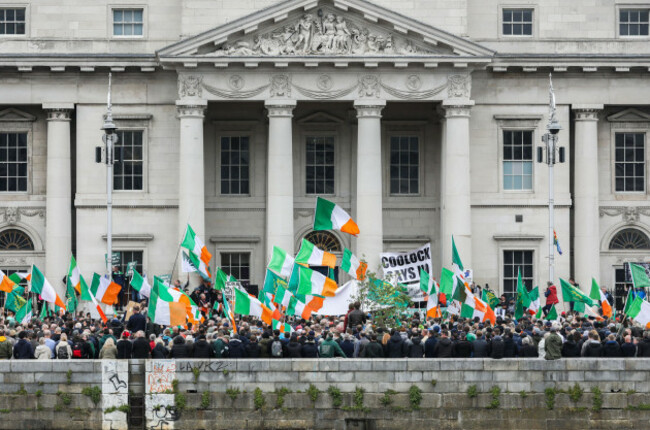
x=419, y=117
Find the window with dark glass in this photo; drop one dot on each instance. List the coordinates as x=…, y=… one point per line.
x=404, y=165
x=512, y=262
x=517, y=22
x=633, y=22
x=629, y=165
x=235, y=165
x=13, y=162
x=517, y=160
x=320, y=165
x=127, y=257
x=238, y=265
x=12, y=21
x=128, y=175
x=128, y=22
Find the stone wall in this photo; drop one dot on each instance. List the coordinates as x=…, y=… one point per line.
x=293, y=394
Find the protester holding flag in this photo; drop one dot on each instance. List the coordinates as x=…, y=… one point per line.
x=551, y=297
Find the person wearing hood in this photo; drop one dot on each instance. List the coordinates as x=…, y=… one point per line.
x=253, y=349
x=159, y=351
x=294, y=347
x=611, y=348
x=570, y=348
x=592, y=346
x=553, y=345
x=220, y=346
x=42, y=351
x=236, y=347
x=6, y=349
x=330, y=349
x=202, y=348
x=109, y=350
x=444, y=347
x=395, y=345
x=430, y=345
x=415, y=348
x=179, y=348
x=496, y=347
x=463, y=348
x=309, y=348
x=373, y=349
x=23, y=348
x=509, y=345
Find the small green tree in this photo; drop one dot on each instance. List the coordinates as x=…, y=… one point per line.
x=384, y=297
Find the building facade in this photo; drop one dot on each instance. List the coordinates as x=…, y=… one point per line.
x=419, y=117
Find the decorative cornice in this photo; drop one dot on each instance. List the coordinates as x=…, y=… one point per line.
x=191, y=110
x=511, y=206
x=630, y=213
x=369, y=108
x=235, y=239
x=517, y=237
x=587, y=112
x=12, y=214
x=131, y=237
x=280, y=107
x=122, y=206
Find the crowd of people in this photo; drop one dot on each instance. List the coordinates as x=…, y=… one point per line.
x=355, y=335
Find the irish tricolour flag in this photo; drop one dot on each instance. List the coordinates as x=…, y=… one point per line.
x=140, y=284
x=104, y=289
x=639, y=311
x=87, y=294
x=597, y=294
x=281, y=262
x=330, y=216
x=300, y=309
x=195, y=245
x=6, y=284
x=312, y=282
x=41, y=286
x=353, y=266
x=246, y=304
x=163, y=308
x=311, y=255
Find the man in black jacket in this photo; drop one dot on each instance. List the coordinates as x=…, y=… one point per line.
x=356, y=317
x=395, y=345
x=202, y=349
x=23, y=349
x=141, y=347
x=137, y=321
x=373, y=349
x=444, y=347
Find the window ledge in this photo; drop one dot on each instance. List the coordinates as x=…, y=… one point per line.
x=513, y=237
x=131, y=237
x=235, y=239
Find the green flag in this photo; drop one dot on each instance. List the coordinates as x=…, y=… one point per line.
x=455, y=258
x=639, y=276
x=523, y=301
x=579, y=307
x=490, y=298
x=573, y=294
x=24, y=314
x=628, y=302
x=446, y=282
x=15, y=299
x=552, y=314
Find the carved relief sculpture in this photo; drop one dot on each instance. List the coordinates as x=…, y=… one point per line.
x=189, y=86
x=327, y=34
x=368, y=86
x=458, y=86
x=280, y=86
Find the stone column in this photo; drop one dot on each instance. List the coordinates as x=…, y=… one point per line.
x=58, y=203
x=585, y=196
x=456, y=211
x=368, y=214
x=279, y=176
x=191, y=195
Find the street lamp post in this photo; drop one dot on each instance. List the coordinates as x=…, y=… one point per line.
x=110, y=138
x=550, y=140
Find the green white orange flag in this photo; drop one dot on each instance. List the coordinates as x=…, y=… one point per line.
x=164, y=309
x=192, y=263
x=87, y=294
x=24, y=314
x=597, y=294
x=104, y=290
x=41, y=286
x=140, y=284
x=229, y=313
x=455, y=257
x=283, y=327
x=220, y=279
x=6, y=284
x=572, y=294
x=18, y=277
x=282, y=296
x=73, y=285
x=639, y=311
x=639, y=276
x=315, y=283
x=535, y=305
x=433, y=307
x=353, y=266
x=427, y=283
x=195, y=245
x=300, y=309
x=246, y=304
x=473, y=307
x=330, y=216
x=310, y=255
x=281, y=262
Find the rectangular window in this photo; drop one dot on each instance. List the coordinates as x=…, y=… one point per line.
x=237, y=264
x=513, y=261
x=320, y=165
x=12, y=21
x=128, y=22
x=517, y=22
x=128, y=256
x=404, y=165
x=128, y=175
x=235, y=165
x=633, y=22
x=517, y=160
x=630, y=162
x=13, y=162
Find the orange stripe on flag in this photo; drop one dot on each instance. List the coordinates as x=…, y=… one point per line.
x=177, y=313
x=7, y=284
x=350, y=227
x=101, y=313
x=205, y=255
x=329, y=260
x=267, y=316
x=59, y=302
x=329, y=289
x=361, y=271
x=110, y=296
x=316, y=303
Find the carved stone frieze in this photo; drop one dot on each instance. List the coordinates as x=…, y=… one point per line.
x=369, y=86
x=12, y=215
x=236, y=82
x=586, y=114
x=28, y=212
x=458, y=86
x=324, y=82
x=630, y=214
x=323, y=33
x=13, y=261
x=280, y=86
x=190, y=86
x=457, y=111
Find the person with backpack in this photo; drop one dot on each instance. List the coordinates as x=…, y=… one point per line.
x=81, y=348
x=276, y=348
x=63, y=350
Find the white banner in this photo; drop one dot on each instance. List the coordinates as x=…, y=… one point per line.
x=404, y=267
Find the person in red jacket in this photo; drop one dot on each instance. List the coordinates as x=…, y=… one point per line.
x=551, y=297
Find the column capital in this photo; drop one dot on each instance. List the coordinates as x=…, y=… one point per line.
x=58, y=111
x=280, y=107
x=369, y=108
x=586, y=112
x=457, y=108
x=191, y=108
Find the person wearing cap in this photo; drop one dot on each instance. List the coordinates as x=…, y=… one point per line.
x=553, y=345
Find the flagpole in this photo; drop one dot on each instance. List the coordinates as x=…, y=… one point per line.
x=178, y=251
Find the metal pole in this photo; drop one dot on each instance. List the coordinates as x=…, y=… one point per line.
x=109, y=138
x=551, y=206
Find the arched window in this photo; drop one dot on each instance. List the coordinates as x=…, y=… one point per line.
x=15, y=240
x=630, y=238
x=324, y=240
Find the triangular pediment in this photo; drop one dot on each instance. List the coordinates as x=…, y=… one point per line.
x=341, y=30
x=320, y=117
x=15, y=115
x=629, y=115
